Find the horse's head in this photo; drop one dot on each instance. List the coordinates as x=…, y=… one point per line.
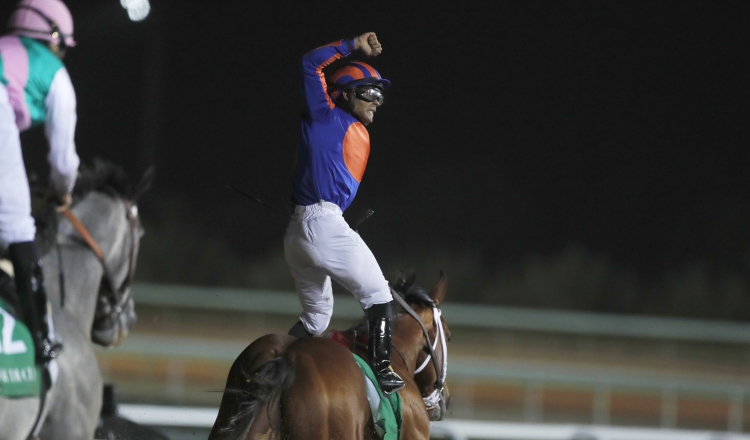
x=431, y=363
x=106, y=205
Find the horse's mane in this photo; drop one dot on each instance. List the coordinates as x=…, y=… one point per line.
x=402, y=285
x=103, y=176
x=414, y=295
x=107, y=177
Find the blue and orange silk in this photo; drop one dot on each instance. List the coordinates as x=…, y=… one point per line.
x=333, y=144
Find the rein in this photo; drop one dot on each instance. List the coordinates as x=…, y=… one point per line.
x=441, y=370
x=85, y=234
x=111, y=294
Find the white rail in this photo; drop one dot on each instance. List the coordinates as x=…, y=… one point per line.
x=468, y=429
x=464, y=367
x=156, y=416
x=175, y=416
x=464, y=315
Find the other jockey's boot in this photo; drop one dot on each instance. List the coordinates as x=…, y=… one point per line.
x=379, y=348
x=299, y=331
x=33, y=299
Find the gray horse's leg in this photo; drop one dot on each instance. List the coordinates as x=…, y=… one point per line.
x=17, y=417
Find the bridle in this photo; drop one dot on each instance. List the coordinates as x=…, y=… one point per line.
x=433, y=399
x=117, y=299
x=441, y=371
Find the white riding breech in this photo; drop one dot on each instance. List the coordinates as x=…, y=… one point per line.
x=16, y=223
x=320, y=245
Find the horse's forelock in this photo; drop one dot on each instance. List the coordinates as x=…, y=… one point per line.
x=106, y=177
x=419, y=295
x=416, y=295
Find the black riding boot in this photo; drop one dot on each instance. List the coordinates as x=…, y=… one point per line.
x=33, y=299
x=379, y=348
x=299, y=331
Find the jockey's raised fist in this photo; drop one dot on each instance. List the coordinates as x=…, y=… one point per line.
x=63, y=202
x=368, y=44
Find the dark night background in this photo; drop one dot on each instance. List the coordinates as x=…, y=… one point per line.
x=583, y=155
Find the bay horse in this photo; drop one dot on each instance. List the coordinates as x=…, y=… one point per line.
x=283, y=388
x=97, y=304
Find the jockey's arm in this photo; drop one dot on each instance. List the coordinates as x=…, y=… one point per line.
x=315, y=89
x=59, y=126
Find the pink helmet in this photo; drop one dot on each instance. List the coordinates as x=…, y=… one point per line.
x=48, y=20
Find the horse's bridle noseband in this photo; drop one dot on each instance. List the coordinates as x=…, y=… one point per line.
x=440, y=370
x=118, y=298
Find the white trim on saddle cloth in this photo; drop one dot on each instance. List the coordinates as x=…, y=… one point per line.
x=373, y=398
x=6, y=266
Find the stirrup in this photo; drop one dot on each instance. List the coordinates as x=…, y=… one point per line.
x=388, y=381
x=49, y=350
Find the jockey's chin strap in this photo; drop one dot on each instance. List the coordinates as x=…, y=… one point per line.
x=441, y=370
x=113, y=292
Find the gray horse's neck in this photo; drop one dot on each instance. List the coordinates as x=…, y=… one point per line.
x=82, y=274
x=82, y=271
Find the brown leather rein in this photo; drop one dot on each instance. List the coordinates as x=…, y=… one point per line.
x=116, y=296
x=85, y=234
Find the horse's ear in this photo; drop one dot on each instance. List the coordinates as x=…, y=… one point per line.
x=410, y=276
x=403, y=279
x=144, y=183
x=438, y=292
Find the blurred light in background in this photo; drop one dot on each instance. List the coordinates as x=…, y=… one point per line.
x=137, y=9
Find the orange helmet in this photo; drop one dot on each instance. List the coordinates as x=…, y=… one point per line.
x=353, y=74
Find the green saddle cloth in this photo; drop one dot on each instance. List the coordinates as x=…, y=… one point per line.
x=387, y=418
x=19, y=375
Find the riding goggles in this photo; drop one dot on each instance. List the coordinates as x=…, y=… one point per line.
x=369, y=94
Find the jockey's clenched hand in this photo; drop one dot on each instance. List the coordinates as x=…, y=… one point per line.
x=63, y=202
x=368, y=44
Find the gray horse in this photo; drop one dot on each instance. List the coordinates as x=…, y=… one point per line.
x=97, y=305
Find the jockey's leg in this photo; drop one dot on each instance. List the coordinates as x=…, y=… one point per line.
x=333, y=246
x=379, y=347
x=33, y=299
x=17, y=232
x=316, y=297
x=16, y=223
x=312, y=284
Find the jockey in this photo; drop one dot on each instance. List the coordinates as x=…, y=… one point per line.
x=35, y=89
x=333, y=150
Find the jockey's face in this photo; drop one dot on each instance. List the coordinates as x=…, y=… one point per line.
x=58, y=50
x=363, y=110
x=59, y=53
